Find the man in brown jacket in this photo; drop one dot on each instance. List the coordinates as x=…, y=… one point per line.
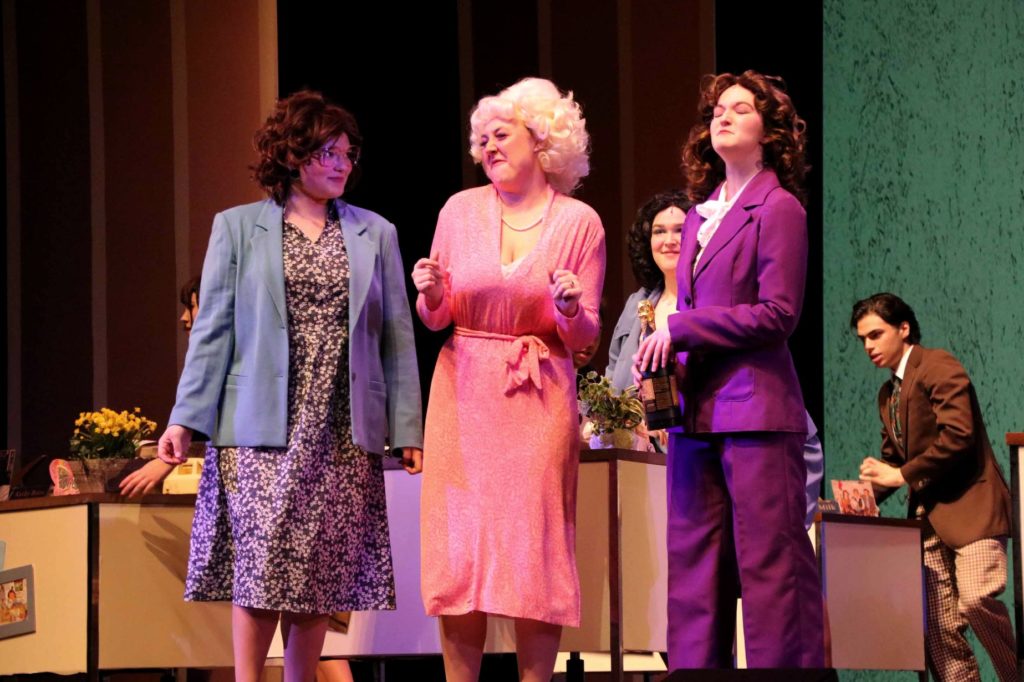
x=934, y=441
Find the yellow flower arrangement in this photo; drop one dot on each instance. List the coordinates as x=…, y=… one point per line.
x=106, y=434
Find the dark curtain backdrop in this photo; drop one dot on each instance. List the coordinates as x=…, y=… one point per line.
x=410, y=77
x=408, y=107
x=3, y=275
x=400, y=79
x=788, y=44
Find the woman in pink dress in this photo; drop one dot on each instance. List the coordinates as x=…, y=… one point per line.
x=517, y=266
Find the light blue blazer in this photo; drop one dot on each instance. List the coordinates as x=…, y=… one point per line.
x=234, y=388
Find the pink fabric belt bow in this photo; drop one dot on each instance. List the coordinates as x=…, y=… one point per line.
x=522, y=359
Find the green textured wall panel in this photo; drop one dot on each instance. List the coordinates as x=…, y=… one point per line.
x=924, y=196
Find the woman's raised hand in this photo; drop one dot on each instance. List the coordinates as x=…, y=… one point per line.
x=429, y=280
x=566, y=291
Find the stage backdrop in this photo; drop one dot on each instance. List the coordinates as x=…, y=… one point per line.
x=924, y=155
x=143, y=124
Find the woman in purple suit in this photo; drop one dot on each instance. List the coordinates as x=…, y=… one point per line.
x=736, y=472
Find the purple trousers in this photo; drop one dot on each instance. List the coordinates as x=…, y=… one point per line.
x=736, y=506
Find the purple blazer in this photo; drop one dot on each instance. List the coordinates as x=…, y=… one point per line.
x=736, y=312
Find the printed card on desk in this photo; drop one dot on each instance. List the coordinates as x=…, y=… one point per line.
x=855, y=497
x=17, y=602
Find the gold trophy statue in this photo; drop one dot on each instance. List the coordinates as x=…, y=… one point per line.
x=658, y=389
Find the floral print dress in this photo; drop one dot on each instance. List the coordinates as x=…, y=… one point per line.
x=304, y=528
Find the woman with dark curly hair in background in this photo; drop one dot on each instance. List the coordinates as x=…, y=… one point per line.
x=653, y=243
x=736, y=473
x=301, y=366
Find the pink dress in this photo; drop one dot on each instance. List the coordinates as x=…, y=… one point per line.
x=501, y=448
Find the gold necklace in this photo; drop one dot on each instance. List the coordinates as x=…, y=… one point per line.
x=529, y=227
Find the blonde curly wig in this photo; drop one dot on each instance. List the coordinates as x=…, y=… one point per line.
x=554, y=120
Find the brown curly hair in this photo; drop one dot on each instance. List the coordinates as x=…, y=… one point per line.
x=639, y=238
x=299, y=126
x=783, y=145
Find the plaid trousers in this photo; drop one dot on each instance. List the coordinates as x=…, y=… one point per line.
x=962, y=587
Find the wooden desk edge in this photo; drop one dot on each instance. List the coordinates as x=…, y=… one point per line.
x=50, y=502
x=616, y=454
x=867, y=520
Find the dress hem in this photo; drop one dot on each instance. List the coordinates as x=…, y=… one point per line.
x=563, y=622
x=330, y=610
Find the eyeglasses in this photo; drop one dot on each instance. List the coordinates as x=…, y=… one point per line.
x=330, y=156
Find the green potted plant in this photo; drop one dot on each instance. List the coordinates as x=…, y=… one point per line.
x=613, y=419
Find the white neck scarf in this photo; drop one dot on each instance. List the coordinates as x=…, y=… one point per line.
x=714, y=211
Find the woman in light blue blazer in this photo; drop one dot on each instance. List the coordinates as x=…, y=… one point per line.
x=301, y=371
x=653, y=242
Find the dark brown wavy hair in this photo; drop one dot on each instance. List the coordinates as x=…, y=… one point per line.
x=784, y=135
x=639, y=239
x=299, y=126
x=188, y=290
x=892, y=309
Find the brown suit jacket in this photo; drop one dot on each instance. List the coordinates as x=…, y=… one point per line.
x=944, y=453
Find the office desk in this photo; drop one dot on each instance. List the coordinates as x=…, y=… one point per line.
x=109, y=577
x=873, y=579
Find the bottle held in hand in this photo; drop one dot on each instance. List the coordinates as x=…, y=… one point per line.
x=658, y=389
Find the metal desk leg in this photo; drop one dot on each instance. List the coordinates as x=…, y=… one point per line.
x=614, y=573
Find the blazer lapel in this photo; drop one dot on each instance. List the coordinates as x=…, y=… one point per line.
x=688, y=251
x=362, y=256
x=909, y=378
x=654, y=295
x=267, y=247
x=738, y=216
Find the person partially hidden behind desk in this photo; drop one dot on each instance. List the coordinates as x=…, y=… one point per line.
x=144, y=479
x=934, y=441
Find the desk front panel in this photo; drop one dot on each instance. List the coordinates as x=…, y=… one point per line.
x=55, y=542
x=143, y=620
x=874, y=589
